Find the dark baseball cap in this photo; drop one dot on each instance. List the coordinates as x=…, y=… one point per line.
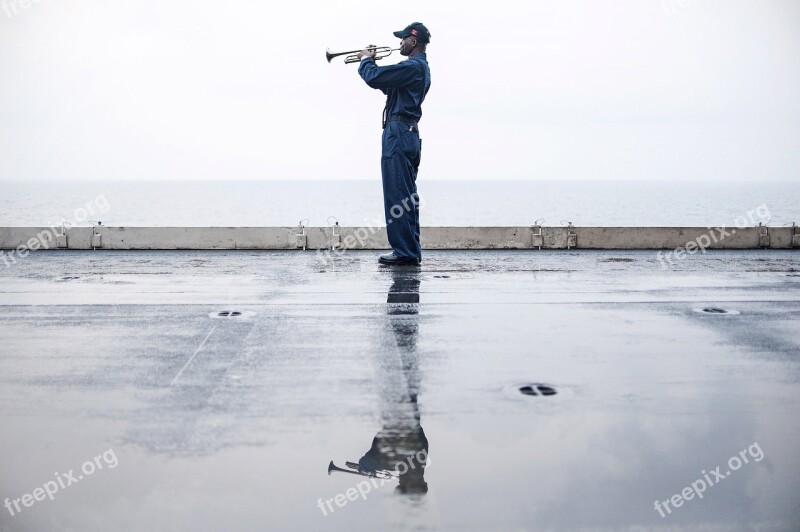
x=416, y=29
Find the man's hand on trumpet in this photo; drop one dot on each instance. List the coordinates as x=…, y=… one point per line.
x=369, y=51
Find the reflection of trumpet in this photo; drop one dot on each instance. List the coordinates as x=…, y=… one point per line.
x=355, y=469
x=352, y=55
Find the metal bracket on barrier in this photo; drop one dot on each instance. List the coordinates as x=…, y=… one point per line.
x=301, y=238
x=336, y=238
x=97, y=238
x=763, y=235
x=62, y=241
x=537, y=239
x=795, y=236
x=572, y=237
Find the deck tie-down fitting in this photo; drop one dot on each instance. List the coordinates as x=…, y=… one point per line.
x=301, y=238
x=336, y=238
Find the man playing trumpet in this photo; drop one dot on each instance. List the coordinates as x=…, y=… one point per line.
x=405, y=85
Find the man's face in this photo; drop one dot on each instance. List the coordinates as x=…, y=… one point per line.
x=407, y=44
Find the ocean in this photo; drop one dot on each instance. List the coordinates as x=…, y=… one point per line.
x=356, y=203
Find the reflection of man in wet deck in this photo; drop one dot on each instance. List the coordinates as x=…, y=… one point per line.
x=394, y=448
x=401, y=443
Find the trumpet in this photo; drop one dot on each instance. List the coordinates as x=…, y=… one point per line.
x=355, y=469
x=352, y=55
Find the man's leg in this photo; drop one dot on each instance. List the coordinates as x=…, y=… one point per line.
x=416, y=221
x=399, y=195
x=415, y=168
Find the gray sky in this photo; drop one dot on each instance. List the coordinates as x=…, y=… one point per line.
x=594, y=89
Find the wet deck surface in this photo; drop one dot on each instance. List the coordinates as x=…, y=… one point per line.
x=229, y=423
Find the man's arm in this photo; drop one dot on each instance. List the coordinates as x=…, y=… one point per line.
x=387, y=77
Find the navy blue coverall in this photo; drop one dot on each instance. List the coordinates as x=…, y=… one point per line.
x=405, y=85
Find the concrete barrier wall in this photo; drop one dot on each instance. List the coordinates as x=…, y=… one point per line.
x=103, y=237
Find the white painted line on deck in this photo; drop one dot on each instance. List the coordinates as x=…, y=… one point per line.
x=193, y=355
